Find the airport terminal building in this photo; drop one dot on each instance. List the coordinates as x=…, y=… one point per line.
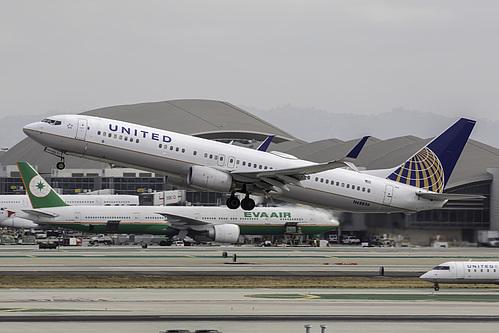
x=458, y=221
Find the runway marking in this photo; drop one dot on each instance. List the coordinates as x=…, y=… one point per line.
x=386, y=297
x=42, y=310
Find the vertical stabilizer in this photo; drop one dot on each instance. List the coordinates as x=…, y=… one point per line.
x=40, y=193
x=431, y=167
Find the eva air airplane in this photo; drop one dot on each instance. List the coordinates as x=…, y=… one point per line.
x=201, y=164
x=218, y=224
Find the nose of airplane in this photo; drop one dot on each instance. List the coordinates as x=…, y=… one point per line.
x=30, y=128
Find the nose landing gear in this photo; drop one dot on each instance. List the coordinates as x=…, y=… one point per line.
x=60, y=165
x=436, y=287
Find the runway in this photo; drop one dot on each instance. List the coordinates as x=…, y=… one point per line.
x=242, y=310
x=203, y=261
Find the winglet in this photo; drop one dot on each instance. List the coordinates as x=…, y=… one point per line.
x=265, y=144
x=40, y=193
x=358, y=147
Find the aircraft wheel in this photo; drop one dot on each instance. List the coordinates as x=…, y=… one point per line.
x=60, y=165
x=436, y=287
x=233, y=202
x=247, y=204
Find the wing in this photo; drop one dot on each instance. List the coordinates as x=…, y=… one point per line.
x=184, y=222
x=278, y=178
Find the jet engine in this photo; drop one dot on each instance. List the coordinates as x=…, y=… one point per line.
x=224, y=233
x=206, y=178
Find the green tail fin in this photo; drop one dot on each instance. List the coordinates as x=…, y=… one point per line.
x=39, y=191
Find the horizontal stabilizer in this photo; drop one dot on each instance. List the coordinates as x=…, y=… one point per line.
x=41, y=213
x=448, y=196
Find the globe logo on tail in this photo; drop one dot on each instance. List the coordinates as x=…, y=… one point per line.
x=39, y=187
x=423, y=170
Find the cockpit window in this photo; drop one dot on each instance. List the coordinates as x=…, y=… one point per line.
x=51, y=121
x=441, y=268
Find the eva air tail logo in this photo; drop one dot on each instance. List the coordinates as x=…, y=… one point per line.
x=39, y=187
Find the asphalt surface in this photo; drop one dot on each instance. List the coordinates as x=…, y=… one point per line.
x=242, y=310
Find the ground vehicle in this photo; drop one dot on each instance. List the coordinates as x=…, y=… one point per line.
x=100, y=239
x=350, y=240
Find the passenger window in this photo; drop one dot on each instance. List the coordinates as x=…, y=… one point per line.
x=205, y=155
x=98, y=132
x=244, y=163
x=137, y=141
x=316, y=179
x=160, y=145
x=322, y=180
x=110, y=134
x=249, y=164
x=260, y=166
x=177, y=149
x=211, y=156
x=194, y=152
x=183, y=150
x=327, y=181
x=348, y=185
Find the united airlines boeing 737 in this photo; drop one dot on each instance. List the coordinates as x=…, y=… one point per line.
x=218, y=224
x=202, y=164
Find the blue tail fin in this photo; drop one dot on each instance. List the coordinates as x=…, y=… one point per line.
x=431, y=167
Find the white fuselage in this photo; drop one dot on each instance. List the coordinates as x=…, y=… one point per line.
x=12, y=215
x=148, y=219
x=173, y=154
x=464, y=272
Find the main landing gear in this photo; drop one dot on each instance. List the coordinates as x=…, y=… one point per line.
x=247, y=203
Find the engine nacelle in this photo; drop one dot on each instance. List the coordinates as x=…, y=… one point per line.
x=224, y=233
x=206, y=178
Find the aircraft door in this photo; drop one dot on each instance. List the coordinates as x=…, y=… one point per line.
x=81, y=132
x=77, y=217
x=221, y=160
x=112, y=226
x=98, y=202
x=197, y=216
x=136, y=217
x=24, y=202
x=388, y=195
x=231, y=162
x=459, y=270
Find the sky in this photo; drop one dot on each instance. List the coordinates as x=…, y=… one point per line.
x=360, y=57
